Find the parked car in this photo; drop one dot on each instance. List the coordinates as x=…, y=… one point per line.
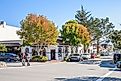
x=116, y=57
x=9, y=57
x=118, y=64
x=86, y=56
x=74, y=57
x=104, y=54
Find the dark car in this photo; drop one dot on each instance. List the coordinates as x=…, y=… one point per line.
x=104, y=54
x=116, y=57
x=118, y=64
x=74, y=57
x=9, y=57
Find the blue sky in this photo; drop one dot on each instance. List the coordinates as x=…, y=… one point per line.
x=59, y=11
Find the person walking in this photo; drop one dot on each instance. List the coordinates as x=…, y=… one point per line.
x=28, y=59
x=23, y=58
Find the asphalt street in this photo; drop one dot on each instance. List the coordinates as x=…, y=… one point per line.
x=102, y=70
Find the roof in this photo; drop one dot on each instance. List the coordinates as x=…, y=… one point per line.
x=8, y=32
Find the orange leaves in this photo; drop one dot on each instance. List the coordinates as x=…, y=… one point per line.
x=84, y=34
x=38, y=20
x=38, y=29
x=74, y=33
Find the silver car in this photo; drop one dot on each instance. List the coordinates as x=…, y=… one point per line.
x=86, y=56
x=74, y=57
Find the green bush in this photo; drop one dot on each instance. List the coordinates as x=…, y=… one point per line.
x=44, y=59
x=66, y=59
x=39, y=59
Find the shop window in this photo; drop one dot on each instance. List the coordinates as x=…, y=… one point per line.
x=60, y=52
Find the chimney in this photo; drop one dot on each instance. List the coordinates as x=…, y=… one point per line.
x=2, y=24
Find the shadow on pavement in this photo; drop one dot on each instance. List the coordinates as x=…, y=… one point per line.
x=107, y=64
x=90, y=62
x=117, y=69
x=14, y=65
x=87, y=79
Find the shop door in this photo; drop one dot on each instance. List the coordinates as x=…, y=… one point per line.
x=53, y=55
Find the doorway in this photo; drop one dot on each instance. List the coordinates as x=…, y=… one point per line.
x=53, y=55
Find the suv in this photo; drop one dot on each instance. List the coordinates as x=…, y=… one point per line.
x=74, y=57
x=9, y=57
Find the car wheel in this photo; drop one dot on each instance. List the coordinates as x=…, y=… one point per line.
x=79, y=60
x=117, y=66
x=68, y=60
x=8, y=60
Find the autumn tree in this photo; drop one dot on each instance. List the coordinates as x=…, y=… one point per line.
x=38, y=30
x=85, y=37
x=74, y=34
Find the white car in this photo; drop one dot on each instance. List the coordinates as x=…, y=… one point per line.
x=118, y=64
x=74, y=57
x=86, y=56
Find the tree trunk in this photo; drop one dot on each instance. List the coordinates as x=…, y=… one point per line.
x=84, y=48
x=72, y=49
x=98, y=47
x=76, y=51
x=38, y=49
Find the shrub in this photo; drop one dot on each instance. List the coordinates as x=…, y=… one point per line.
x=39, y=59
x=44, y=59
x=66, y=59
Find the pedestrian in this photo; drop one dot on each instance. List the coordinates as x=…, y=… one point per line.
x=28, y=59
x=23, y=55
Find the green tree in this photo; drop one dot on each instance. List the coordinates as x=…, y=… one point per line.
x=115, y=38
x=38, y=30
x=98, y=28
x=102, y=29
x=84, y=18
x=74, y=34
x=3, y=48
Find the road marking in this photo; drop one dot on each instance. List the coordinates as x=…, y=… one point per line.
x=104, y=76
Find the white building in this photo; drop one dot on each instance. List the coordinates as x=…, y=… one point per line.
x=9, y=37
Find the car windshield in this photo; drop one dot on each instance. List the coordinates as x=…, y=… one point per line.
x=10, y=54
x=85, y=54
x=1, y=54
x=75, y=54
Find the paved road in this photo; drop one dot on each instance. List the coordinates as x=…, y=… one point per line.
x=61, y=71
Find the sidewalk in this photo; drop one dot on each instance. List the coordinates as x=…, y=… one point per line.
x=19, y=64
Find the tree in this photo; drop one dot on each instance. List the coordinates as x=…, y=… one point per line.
x=74, y=34
x=102, y=29
x=98, y=28
x=115, y=38
x=38, y=30
x=84, y=18
x=3, y=48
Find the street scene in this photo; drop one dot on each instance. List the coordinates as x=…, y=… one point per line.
x=98, y=70
x=66, y=40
